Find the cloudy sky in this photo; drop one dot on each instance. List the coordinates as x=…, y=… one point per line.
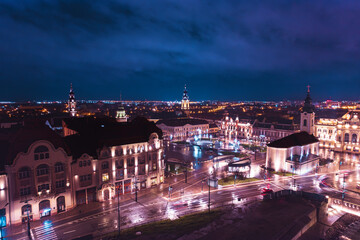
x=226, y=50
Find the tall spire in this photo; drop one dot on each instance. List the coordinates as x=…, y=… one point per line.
x=72, y=102
x=308, y=106
x=185, y=96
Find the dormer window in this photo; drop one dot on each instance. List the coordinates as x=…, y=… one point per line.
x=41, y=153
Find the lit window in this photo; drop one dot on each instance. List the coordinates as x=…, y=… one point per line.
x=105, y=177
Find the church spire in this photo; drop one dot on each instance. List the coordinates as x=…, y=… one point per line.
x=185, y=103
x=308, y=106
x=185, y=96
x=72, y=102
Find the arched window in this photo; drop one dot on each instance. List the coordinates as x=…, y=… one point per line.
x=305, y=123
x=42, y=169
x=24, y=172
x=346, y=138
x=41, y=152
x=354, y=138
x=105, y=165
x=59, y=167
x=26, y=209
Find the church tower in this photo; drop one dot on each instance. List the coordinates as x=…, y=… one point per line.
x=72, y=102
x=307, y=116
x=185, y=105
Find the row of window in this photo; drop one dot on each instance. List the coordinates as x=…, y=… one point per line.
x=120, y=163
x=325, y=131
x=42, y=169
x=84, y=163
x=27, y=190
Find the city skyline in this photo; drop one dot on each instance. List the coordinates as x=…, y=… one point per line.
x=222, y=51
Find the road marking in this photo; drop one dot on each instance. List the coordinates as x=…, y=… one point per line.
x=69, y=231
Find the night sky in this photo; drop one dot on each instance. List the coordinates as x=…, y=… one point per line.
x=225, y=50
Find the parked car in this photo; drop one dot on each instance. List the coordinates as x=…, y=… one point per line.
x=265, y=191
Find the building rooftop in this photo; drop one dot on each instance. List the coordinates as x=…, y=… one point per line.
x=295, y=139
x=16, y=140
x=95, y=133
x=177, y=122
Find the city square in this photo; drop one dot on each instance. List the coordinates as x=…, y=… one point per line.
x=179, y=120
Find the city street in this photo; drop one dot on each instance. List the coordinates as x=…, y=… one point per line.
x=154, y=204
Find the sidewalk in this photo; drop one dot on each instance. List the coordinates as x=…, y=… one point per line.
x=76, y=212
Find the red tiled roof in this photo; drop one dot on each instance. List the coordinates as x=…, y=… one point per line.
x=14, y=141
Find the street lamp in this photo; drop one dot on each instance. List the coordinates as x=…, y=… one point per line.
x=209, y=194
x=135, y=183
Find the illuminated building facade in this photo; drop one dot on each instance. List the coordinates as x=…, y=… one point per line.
x=264, y=132
x=260, y=132
x=43, y=173
x=185, y=103
x=37, y=165
x=183, y=128
x=72, y=102
x=342, y=134
x=233, y=129
x=108, y=155
x=121, y=115
x=297, y=153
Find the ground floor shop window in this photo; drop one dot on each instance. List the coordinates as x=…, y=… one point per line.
x=44, y=208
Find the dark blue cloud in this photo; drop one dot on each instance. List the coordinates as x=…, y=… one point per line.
x=236, y=50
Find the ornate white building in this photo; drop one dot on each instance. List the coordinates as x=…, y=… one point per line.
x=183, y=128
x=233, y=129
x=298, y=152
x=341, y=134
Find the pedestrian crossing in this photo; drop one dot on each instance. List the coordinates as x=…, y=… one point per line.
x=47, y=232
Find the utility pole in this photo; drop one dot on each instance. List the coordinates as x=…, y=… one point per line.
x=118, y=197
x=293, y=176
x=209, y=194
x=343, y=193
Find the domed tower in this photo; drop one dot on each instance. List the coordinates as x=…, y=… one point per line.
x=185, y=104
x=72, y=102
x=307, y=116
